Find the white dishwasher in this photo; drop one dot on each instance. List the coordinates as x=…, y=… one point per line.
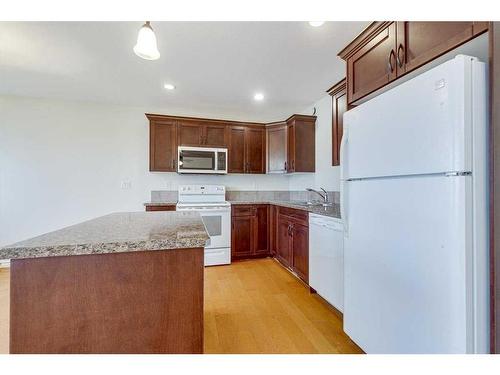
x=326, y=258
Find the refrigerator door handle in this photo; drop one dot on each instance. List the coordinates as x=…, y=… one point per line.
x=343, y=182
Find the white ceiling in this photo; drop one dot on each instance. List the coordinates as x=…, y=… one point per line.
x=216, y=66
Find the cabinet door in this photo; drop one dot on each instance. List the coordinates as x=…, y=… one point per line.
x=214, y=135
x=190, y=133
x=255, y=150
x=277, y=149
x=236, y=151
x=291, y=148
x=304, y=147
x=421, y=42
x=242, y=236
x=339, y=106
x=300, y=250
x=162, y=146
x=261, y=230
x=283, y=251
x=373, y=65
x=273, y=228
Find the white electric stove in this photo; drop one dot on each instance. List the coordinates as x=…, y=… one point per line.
x=210, y=202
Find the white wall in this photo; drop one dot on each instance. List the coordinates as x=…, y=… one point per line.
x=326, y=176
x=64, y=162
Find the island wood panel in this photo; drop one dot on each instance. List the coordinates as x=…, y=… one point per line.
x=136, y=302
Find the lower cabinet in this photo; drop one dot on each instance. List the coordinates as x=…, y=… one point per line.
x=267, y=230
x=292, y=245
x=249, y=231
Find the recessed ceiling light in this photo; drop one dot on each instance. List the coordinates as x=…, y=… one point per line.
x=259, y=96
x=316, y=23
x=169, y=86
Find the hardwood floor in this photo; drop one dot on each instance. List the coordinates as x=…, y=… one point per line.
x=251, y=307
x=259, y=307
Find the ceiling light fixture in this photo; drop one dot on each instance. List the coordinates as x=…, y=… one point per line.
x=169, y=86
x=259, y=96
x=146, y=47
x=316, y=23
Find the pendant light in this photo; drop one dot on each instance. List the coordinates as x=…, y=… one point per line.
x=146, y=47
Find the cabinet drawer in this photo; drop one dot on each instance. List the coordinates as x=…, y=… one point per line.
x=300, y=216
x=243, y=210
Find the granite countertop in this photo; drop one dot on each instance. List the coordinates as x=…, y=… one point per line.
x=331, y=211
x=163, y=203
x=116, y=233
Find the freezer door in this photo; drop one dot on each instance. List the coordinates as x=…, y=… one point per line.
x=407, y=265
x=422, y=126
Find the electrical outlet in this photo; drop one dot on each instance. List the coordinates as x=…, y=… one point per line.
x=126, y=185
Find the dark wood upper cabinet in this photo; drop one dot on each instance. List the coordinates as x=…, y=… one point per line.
x=215, y=135
x=236, y=152
x=202, y=133
x=255, y=150
x=247, y=149
x=339, y=106
x=387, y=50
x=420, y=42
x=301, y=150
x=162, y=145
x=291, y=145
x=277, y=148
x=190, y=133
x=373, y=64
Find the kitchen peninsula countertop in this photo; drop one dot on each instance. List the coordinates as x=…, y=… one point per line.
x=116, y=233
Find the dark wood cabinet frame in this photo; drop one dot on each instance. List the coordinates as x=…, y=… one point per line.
x=494, y=43
x=339, y=106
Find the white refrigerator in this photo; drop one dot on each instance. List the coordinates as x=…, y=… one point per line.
x=414, y=199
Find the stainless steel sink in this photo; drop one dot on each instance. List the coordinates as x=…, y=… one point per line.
x=311, y=204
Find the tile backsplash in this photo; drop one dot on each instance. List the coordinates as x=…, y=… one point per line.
x=255, y=195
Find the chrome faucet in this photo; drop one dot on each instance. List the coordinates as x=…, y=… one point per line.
x=324, y=195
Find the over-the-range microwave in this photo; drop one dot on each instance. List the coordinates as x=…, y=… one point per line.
x=202, y=160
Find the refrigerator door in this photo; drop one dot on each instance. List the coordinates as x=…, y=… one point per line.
x=422, y=126
x=407, y=286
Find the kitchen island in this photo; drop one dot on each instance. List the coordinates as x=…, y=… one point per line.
x=121, y=283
